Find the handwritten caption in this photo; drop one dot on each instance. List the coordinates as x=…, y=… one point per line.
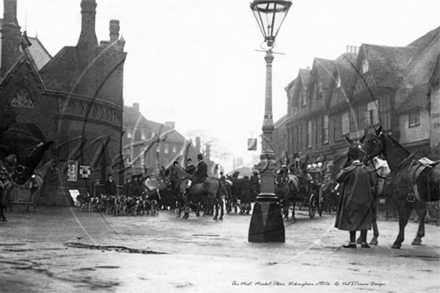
x=309, y=284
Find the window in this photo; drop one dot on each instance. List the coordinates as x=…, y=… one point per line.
x=414, y=118
x=365, y=66
x=174, y=149
x=304, y=99
x=165, y=150
x=345, y=119
x=338, y=82
x=143, y=134
x=372, y=113
x=129, y=133
x=325, y=129
x=309, y=133
x=319, y=90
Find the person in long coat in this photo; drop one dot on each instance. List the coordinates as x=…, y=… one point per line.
x=245, y=202
x=255, y=185
x=356, y=202
x=110, y=186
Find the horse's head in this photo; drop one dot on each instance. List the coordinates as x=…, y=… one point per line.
x=356, y=149
x=374, y=145
x=25, y=170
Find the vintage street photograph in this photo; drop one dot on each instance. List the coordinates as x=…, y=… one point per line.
x=219, y=146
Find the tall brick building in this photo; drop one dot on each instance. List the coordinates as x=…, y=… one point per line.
x=74, y=97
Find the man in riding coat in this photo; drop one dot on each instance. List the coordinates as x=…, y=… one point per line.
x=356, y=202
x=201, y=172
x=190, y=168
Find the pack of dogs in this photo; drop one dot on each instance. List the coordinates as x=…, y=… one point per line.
x=120, y=205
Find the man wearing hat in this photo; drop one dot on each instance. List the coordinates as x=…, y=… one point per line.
x=201, y=172
x=356, y=202
x=190, y=168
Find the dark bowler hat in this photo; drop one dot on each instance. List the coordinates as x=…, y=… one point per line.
x=200, y=156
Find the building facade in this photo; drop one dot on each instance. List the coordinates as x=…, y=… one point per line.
x=74, y=98
x=368, y=86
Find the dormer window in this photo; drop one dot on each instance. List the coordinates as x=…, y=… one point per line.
x=319, y=90
x=365, y=66
x=338, y=82
x=304, y=99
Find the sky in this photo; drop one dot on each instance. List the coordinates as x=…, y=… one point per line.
x=195, y=62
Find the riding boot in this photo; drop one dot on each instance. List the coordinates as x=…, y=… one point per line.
x=352, y=243
x=364, y=243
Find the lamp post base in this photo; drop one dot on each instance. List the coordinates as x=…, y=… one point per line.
x=266, y=222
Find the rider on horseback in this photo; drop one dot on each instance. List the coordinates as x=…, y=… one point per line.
x=200, y=174
x=282, y=175
x=190, y=168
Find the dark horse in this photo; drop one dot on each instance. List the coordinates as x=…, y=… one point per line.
x=286, y=188
x=22, y=146
x=413, y=182
x=199, y=193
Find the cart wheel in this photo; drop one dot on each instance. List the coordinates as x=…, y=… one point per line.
x=320, y=200
x=312, y=206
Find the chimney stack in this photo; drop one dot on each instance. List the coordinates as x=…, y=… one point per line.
x=114, y=30
x=87, y=39
x=198, y=144
x=10, y=36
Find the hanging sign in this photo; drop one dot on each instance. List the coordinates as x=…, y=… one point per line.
x=252, y=144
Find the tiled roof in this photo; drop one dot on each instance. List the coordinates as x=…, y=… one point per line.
x=304, y=74
x=416, y=98
x=388, y=64
x=426, y=40
x=345, y=66
x=325, y=70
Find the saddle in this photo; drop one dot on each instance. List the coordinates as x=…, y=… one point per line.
x=415, y=168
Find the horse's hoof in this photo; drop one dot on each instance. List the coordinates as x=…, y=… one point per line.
x=396, y=246
x=215, y=218
x=374, y=242
x=417, y=242
x=221, y=218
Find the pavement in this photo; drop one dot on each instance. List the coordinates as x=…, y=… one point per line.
x=69, y=250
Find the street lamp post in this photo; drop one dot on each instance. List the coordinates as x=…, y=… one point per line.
x=266, y=222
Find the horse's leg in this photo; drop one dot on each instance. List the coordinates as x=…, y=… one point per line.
x=31, y=196
x=222, y=209
x=421, y=213
x=217, y=207
x=404, y=209
x=375, y=227
x=36, y=197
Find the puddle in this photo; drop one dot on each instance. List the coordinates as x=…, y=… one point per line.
x=112, y=248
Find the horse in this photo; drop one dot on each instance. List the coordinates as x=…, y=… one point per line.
x=198, y=193
x=414, y=181
x=35, y=183
x=28, y=144
x=286, y=190
x=5, y=186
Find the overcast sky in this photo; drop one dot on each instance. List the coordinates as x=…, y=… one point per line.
x=195, y=61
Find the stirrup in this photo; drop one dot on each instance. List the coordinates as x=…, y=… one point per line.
x=350, y=245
